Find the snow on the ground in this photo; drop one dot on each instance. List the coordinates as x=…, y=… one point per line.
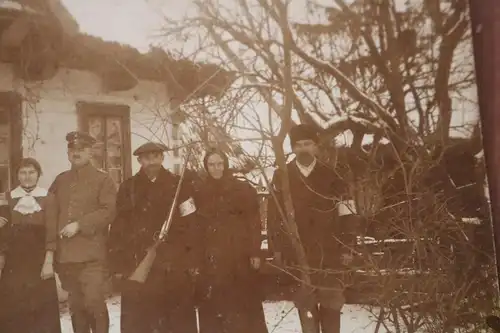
x=281, y=317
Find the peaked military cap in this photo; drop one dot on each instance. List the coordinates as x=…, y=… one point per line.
x=79, y=139
x=150, y=147
x=303, y=132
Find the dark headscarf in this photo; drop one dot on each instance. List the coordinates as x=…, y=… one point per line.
x=224, y=158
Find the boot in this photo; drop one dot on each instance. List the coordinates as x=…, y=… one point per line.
x=100, y=322
x=309, y=319
x=329, y=320
x=80, y=322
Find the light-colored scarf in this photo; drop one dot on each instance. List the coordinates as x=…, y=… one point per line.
x=306, y=170
x=27, y=203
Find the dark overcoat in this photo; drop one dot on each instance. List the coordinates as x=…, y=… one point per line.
x=142, y=208
x=28, y=303
x=315, y=201
x=228, y=212
x=165, y=302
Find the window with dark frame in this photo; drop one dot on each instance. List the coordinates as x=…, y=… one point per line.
x=109, y=124
x=10, y=138
x=176, y=153
x=175, y=138
x=5, y=160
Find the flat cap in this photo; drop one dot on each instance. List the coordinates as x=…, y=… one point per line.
x=150, y=147
x=79, y=139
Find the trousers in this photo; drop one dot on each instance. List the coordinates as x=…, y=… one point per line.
x=87, y=284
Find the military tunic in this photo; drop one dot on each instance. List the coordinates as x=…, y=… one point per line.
x=87, y=196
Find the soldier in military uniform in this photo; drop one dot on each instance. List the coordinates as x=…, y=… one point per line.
x=165, y=301
x=85, y=199
x=319, y=197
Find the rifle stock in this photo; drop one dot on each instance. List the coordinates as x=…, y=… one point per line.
x=141, y=273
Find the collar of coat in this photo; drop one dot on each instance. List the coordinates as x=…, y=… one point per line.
x=162, y=175
x=306, y=170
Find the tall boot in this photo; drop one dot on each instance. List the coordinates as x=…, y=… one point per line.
x=80, y=321
x=309, y=318
x=92, y=322
x=100, y=322
x=329, y=320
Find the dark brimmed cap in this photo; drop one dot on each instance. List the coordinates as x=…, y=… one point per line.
x=78, y=139
x=150, y=147
x=303, y=132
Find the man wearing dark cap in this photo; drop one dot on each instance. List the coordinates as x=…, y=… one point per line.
x=165, y=301
x=319, y=196
x=86, y=202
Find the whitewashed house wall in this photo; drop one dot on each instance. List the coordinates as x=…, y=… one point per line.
x=49, y=112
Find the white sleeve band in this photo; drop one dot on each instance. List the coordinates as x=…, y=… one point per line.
x=347, y=207
x=187, y=207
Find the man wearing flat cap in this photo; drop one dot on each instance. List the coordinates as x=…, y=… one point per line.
x=165, y=301
x=319, y=197
x=86, y=203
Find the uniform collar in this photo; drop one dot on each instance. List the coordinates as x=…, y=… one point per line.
x=83, y=168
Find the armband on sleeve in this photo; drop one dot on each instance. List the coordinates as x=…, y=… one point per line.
x=187, y=207
x=347, y=207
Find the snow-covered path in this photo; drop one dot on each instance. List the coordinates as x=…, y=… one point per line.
x=281, y=317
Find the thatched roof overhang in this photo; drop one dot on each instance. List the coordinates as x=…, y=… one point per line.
x=47, y=45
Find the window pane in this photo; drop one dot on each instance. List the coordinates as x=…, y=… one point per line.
x=177, y=169
x=175, y=131
x=114, y=158
x=96, y=130
x=4, y=150
x=116, y=175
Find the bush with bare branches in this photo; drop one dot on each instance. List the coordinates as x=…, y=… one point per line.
x=397, y=75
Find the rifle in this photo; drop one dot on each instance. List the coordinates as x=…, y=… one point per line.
x=141, y=273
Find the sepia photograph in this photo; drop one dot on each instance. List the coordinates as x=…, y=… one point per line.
x=249, y=166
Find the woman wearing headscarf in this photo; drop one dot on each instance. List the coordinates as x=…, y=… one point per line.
x=228, y=209
x=28, y=235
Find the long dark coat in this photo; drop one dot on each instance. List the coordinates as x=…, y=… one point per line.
x=28, y=304
x=315, y=201
x=165, y=301
x=228, y=210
